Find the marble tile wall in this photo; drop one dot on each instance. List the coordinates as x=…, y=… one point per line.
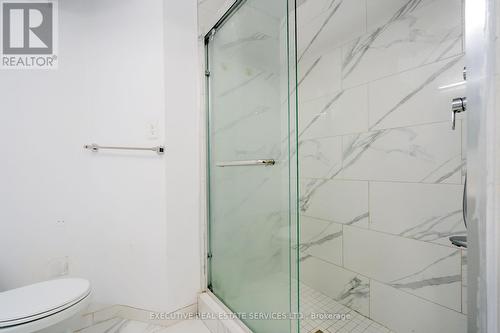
x=381, y=170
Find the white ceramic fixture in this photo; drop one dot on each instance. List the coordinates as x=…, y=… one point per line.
x=51, y=306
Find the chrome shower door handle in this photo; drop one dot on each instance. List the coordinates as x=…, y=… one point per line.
x=269, y=162
x=458, y=105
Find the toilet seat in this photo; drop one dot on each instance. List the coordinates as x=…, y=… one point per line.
x=27, y=304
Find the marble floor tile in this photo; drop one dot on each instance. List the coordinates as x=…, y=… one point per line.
x=120, y=325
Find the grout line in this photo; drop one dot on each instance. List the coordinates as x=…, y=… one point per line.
x=438, y=122
x=379, y=181
x=401, y=237
x=369, y=206
x=380, y=232
x=302, y=101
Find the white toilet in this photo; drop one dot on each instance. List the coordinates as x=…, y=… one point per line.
x=47, y=307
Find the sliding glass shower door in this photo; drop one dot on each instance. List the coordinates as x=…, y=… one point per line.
x=252, y=164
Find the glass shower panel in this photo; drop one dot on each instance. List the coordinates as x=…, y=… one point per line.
x=252, y=193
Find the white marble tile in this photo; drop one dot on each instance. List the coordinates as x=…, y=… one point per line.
x=274, y=9
x=405, y=313
x=106, y=313
x=414, y=36
x=381, y=11
x=343, y=112
x=187, y=326
x=344, y=202
x=416, y=96
x=212, y=5
x=106, y=326
x=326, y=24
x=209, y=12
x=319, y=158
x=346, y=287
x=423, y=269
x=427, y=153
x=426, y=212
x=320, y=239
x=120, y=325
x=319, y=75
x=95, y=307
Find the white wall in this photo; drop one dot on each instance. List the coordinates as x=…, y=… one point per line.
x=130, y=220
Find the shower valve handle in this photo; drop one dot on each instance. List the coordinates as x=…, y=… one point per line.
x=458, y=105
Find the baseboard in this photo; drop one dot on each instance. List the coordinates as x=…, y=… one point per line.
x=98, y=313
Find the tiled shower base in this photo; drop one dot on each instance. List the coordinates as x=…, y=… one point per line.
x=314, y=302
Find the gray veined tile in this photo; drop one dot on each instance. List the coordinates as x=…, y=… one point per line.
x=427, y=270
x=209, y=12
x=320, y=158
x=326, y=24
x=414, y=36
x=119, y=325
x=346, y=287
x=344, y=202
x=405, y=313
x=339, y=113
x=428, y=153
x=426, y=212
x=110, y=325
x=319, y=75
x=417, y=96
x=211, y=5
x=274, y=9
x=380, y=12
x=320, y=239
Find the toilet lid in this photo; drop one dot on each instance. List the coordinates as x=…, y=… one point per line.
x=21, y=305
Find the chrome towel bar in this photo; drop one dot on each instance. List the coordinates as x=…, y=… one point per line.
x=160, y=150
x=246, y=163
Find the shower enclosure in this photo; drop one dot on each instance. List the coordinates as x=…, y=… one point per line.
x=251, y=80
x=340, y=206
